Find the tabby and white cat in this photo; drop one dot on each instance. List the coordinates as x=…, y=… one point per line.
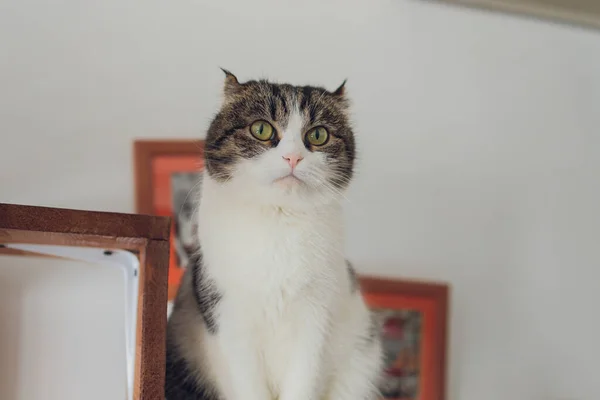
x=269, y=308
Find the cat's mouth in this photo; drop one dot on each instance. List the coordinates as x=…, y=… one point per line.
x=289, y=179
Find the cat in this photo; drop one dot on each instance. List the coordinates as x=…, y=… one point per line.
x=269, y=307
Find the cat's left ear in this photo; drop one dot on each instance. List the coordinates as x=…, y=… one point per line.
x=341, y=90
x=231, y=85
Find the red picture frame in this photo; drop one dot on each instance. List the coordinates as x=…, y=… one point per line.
x=430, y=300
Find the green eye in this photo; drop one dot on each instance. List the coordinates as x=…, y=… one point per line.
x=317, y=136
x=262, y=130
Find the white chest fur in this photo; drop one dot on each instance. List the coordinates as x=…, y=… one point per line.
x=273, y=267
x=262, y=251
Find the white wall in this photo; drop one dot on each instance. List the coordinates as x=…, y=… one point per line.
x=479, y=137
x=61, y=335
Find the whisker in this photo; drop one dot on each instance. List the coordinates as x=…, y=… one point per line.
x=324, y=183
x=188, y=194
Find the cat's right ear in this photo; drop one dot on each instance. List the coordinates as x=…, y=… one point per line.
x=231, y=85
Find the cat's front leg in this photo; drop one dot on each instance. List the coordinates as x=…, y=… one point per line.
x=305, y=376
x=246, y=379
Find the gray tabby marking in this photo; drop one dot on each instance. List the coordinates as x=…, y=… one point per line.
x=206, y=294
x=181, y=383
x=354, y=285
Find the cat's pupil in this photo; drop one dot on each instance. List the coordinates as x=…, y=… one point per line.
x=261, y=128
x=317, y=134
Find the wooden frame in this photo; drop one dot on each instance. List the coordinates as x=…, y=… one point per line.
x=431, y=299
x=145, y=236
x=146, y=152
x=578, y=12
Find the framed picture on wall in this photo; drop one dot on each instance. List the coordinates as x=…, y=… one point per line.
x=168, y=177
x=413, y=318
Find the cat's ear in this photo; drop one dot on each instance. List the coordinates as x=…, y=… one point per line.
x=231, y=85
x=341, y=90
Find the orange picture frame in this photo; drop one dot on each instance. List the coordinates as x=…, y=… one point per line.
x=155, y=161
x=430, y=301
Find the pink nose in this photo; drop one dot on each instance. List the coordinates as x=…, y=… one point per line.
x=293, y=159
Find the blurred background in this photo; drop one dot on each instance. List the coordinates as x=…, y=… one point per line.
x=479, y=155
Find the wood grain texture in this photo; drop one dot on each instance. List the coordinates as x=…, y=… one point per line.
x=144, y=235
x=144, y=151
x=88, y=223
x=69, y=239
x=152, y=322
x=438, y=293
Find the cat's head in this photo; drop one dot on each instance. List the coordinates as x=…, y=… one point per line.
x=281, y=144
